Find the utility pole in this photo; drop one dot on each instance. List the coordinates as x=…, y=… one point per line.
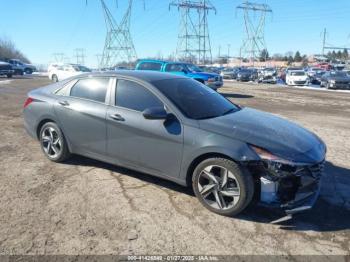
x=80, y=56
x=118, y=44
x=193, y=38
x=254, y=21
x=324, y=40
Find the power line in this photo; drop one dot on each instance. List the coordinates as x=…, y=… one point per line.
x=193, y=38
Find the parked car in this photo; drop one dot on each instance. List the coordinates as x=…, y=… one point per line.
x=59, y=72
x=212, y=80
x=284, y=72
x=297, y=78
x=267, y=75
x=247, y=74
x=316, y=78
x=324, y=66
x=20, y=67
x=229, y=73
x=6, y=69
x=177, y=128
x=312, y=71
x=335, y=80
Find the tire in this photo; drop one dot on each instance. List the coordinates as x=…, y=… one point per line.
x=28, y=71
x=53, y=143
x=54, y=78
x=9, y=76
x=239, y=182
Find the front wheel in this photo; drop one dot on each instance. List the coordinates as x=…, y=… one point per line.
x=28, y=71
x=9, y=75
x=223, y=186
x=53, y=143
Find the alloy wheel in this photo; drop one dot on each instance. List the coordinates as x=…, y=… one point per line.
x=218, y=187
x=51, y=142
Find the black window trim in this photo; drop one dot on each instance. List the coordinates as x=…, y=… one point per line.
x=107, y=98
x=113, y=101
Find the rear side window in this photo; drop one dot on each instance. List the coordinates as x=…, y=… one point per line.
x=134, y=96
x=150, y=66
x=91, y=88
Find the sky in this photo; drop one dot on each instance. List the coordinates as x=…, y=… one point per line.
x=40, y=28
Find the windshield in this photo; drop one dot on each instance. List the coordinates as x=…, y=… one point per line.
x=297, y=73
x=338, y=73
x=81, y=69
x=246, y=71
x=195, y=100
x=193, y=68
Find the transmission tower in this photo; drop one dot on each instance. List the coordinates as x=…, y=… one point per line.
x=254, y=21
x=58, y=57
x=118, y=45
x=193, y=39
x=80, y=55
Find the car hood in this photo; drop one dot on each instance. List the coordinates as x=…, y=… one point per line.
x=279, y=136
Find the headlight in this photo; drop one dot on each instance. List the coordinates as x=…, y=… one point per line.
x=210, y=80
x=332, y=81
x=275, y=166
x=267, y=156
x=239, y=75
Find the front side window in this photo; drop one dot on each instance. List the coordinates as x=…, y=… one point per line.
x=134, y=96
x=174, y=68
x=94, y=89
x=194, y=99
x=150, y=66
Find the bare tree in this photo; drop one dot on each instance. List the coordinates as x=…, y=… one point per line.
x=8, y=50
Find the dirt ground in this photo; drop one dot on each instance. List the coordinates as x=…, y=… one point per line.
x=88, y=207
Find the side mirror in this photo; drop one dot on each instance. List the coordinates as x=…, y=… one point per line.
x=155, y=113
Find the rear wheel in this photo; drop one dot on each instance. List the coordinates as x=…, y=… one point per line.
x=9, y=75
x=53, y=143
x=222, y=186
x=54, y=78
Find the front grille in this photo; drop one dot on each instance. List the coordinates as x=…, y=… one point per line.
x=299, y=82
x=5, y=67
x=341, y=83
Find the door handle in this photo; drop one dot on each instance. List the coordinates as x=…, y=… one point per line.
x=63, y=103
x=117, y=117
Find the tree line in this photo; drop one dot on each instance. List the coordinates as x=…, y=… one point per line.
x=8, y=50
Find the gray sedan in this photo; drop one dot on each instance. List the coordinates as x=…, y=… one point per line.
x=176, y=128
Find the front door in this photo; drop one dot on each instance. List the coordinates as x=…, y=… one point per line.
x=153, y=146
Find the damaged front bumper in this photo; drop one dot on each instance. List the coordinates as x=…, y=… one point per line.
x=292, y=188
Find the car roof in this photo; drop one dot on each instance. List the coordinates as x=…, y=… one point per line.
x=148, y=76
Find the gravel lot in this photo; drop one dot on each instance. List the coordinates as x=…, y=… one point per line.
x=88, y=207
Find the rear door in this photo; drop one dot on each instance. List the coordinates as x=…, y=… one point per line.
x=153, y=146
x=81, y=111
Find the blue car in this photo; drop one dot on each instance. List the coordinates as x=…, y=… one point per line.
x=211, y=80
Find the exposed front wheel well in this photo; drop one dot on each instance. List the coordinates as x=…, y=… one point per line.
x=40, y=125
x=200, y=159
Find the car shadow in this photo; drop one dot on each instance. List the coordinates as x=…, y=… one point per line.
x=323, y=217
x=231, y=95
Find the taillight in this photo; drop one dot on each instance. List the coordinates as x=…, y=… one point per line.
x=27, y=102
